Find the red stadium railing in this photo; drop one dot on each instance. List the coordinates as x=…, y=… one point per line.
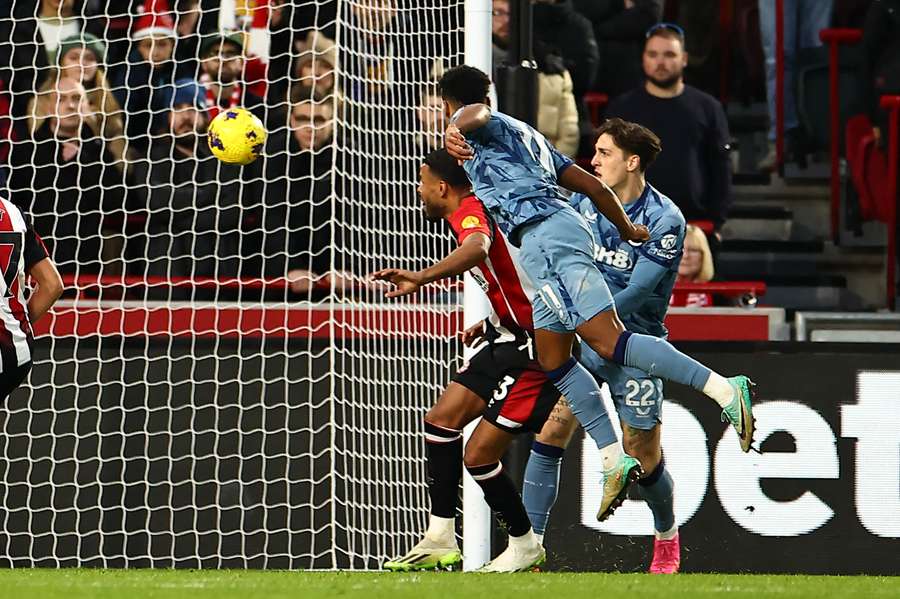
x=88, y=316
x=834, y=38
x=90, y=281
x=732, y=289
x=707, y=226
x=595, y=102
x=892, y=105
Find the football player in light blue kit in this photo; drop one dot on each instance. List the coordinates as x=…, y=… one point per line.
x=516, y=173
x=641, y=279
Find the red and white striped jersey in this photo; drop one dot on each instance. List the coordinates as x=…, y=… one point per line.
x=500, y=276
x=20, y=249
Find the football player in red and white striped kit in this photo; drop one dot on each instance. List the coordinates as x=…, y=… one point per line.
x=502, y=382
x=21, y=253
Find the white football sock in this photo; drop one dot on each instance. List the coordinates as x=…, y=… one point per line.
x=539, y=537
x=610, y=455
x=441, y=529
x=526, y=541
x=669, y=534
x=719, y=389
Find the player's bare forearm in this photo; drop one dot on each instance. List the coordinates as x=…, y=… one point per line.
x=472, y=117
x=579, y=180
x=473, y=251
x=49, y=288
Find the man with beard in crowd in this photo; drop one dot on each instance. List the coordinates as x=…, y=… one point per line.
x=301, y=225
x=694, y=170
x=192, y=202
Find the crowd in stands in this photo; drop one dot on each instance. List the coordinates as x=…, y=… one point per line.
x=105, y=146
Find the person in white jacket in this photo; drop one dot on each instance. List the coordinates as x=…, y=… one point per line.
x=557, y=112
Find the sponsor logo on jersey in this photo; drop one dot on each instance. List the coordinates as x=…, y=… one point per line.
x=470, y=222
x=479, y=279
x=618, y=258
x=666, y=248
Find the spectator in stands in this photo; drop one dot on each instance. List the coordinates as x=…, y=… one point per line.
x=803, y=19
x=429, y=125
x=193, y=20
x=192, y=202
x=694, y=168
x=6, y=135
x=299, y=239
x=881, y=59
x=315, y=65
x=619, y=28
x=64, y=177
x=557, y=109
x=141, y=87
x=28, y=43
x=81, y=58
x=696, y=267
x=560, y=26
x=222, y=65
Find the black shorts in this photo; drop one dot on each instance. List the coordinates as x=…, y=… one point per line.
x=11, y=379
x=518, y=394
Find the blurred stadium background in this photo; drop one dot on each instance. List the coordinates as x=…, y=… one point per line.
x=221, y=388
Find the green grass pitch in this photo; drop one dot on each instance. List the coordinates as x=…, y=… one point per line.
x=234, y=584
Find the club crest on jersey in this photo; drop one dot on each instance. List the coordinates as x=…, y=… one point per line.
x=618, y=258
x=668, y=241
x=470, y=222
x=666, y=248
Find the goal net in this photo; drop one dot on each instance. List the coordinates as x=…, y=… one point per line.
x=219, y=387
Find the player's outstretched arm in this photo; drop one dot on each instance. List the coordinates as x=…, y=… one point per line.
x=49, y=288
x=473, y=251
x=579, y=180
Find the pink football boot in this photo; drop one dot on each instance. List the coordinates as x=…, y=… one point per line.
x=666, y=556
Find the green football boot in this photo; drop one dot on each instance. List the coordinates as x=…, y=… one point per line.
x=615, y=484
x=427, y=555
x=740, y=411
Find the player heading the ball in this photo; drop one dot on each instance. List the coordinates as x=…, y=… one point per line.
x=517, y=173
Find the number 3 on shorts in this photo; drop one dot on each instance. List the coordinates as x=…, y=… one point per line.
x=503, y=389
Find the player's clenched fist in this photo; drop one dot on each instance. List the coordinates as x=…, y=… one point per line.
x=637, y=233
x=456, y=144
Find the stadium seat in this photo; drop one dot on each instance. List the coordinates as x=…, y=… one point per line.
x=868, y=168
x=812, y=87
x=751, y=83
x=595, y=102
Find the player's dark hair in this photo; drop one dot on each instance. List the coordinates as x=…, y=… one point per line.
x=465, y=84
x=447, y=168
x=634, y=139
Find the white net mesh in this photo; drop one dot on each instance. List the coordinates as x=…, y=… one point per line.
x=218, y=388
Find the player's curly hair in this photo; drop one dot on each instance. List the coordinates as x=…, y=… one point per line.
x=634, y=139
x=465, y=84
x=447, y=168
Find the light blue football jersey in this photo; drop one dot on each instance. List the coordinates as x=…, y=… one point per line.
x=616, y=258
x=514, y=173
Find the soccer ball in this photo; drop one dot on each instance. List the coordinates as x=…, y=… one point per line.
x=236, y=136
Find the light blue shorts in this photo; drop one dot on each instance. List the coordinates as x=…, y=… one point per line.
x=637, y=395
x=557, y=254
